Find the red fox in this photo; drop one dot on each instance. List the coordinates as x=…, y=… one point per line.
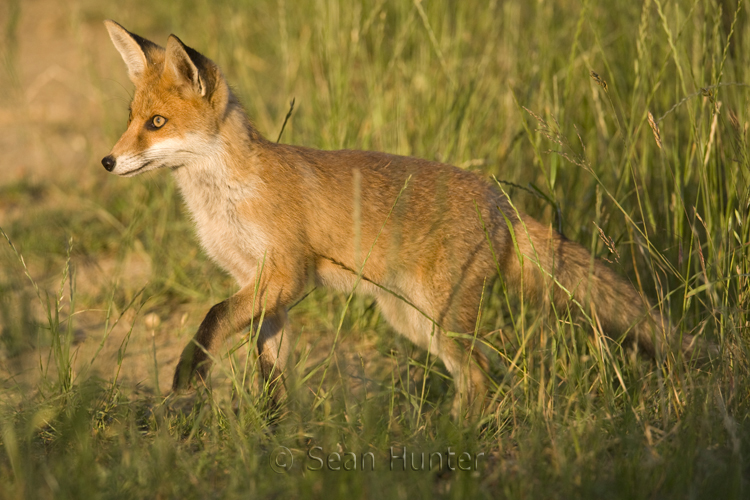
x=423, y=238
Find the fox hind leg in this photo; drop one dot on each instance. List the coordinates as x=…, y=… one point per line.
x=463, y=361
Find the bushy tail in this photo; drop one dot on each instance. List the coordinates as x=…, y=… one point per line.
x=550, y=265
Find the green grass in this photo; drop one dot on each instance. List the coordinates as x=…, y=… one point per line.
x=503, y=88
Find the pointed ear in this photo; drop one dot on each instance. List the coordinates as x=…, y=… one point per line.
x=182, y=63
x=133, y=49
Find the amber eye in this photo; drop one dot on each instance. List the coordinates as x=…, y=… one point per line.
x=157, y=121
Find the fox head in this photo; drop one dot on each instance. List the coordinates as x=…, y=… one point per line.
x=180, y=100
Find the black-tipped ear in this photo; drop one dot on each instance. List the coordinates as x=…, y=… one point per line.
x=186, y=65
x=133, y=49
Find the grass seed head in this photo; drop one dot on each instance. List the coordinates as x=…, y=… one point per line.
x=655, y=129
x=599, y=81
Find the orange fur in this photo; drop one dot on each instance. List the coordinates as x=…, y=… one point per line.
x=298, y=212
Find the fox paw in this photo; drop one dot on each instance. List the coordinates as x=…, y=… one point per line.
x=193, y=365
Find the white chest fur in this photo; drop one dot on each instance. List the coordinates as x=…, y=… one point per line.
x=213, y=198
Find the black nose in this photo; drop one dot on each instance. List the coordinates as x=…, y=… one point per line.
x=109, y=162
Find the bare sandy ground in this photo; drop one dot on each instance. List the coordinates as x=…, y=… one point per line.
x=51, y=118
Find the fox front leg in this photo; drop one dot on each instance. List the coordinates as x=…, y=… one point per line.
x=225, y=318
x=195, y=359
x=274, y=346
x=230, y=316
